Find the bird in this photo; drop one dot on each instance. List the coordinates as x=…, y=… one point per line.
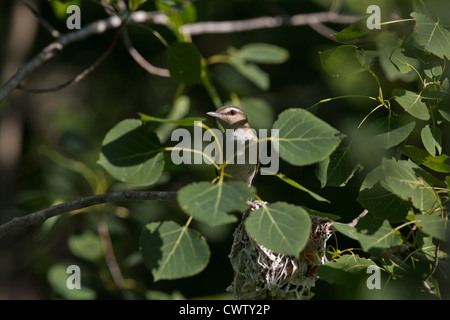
x=244, y=140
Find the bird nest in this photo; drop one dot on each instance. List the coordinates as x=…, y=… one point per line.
x=261, y=274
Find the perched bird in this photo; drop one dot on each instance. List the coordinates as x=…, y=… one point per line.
x=244, y=142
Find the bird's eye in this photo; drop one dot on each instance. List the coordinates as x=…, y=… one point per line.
x=232, y=112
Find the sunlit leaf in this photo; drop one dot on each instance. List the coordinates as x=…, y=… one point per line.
x=399, y=178
x=432, y=35
x=132, y=154
x=171, y=251
x=284, y=228
x=303, y=138
x=339, y=270
x=59, y=7
x=212, y=203
x=394, y=60
x=338, y=168
x=432, y=139
x=412, y=103
x=421, y=157
x=391, y=131
x=380, y=202
x=375, y=235
x=434, y=225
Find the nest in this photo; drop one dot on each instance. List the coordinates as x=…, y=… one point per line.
x=261, y=274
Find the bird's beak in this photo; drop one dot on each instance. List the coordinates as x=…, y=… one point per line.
x=214, y=114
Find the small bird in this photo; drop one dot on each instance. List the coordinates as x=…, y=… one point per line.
x=243, y=136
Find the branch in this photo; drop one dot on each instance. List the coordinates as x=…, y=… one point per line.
x=44, y=214
x=55, y=33
x=79, y=77
x=355, y=221
x=140, y=60
x=266, y=22
x=52, y=50
x=99, y=27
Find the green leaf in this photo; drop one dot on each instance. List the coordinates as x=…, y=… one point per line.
x=434, y=225
x=252, y=72
x=184, y=62
x=395, y=58
x=179, y=13
x=327, y=215
x=421, y=157
x=339, y=271
x=57, y=277
x=283, y=228
x=412, y=103
x=374, y=235
x=433, y=69
x=86, y=245
x=171, y=251
x=432, y=139
x=354, y=31
x=380, y=202
x=211, y=203
x=399, y=178
x=300, y=187
x=443, y=107
x=407, y=57
x=432, y=35
x=135, y=4
x=132, y=154
x=60, y=7
x=260, y=53
x=392, y=130
x=303, y=138
x=346, y=59
x=180, y=122
x=338, y=168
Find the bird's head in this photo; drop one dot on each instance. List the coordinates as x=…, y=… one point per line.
x=230, y=117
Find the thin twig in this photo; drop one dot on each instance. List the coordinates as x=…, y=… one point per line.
x=79, y=77
x=356, y=220
x=110, y=257
x=55, y=33
x=44, y=214
x=140, y=60
x=53, y=49
x=323, y=30
x=99, y=27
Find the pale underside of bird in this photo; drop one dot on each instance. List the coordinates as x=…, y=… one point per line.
x=242, y=160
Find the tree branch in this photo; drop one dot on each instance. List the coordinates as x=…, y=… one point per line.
x=140, y=60
x=266, y=22
x=44, y=214
x=99, y=27
x=80, y=76
x=52, y=50
x=55, y=33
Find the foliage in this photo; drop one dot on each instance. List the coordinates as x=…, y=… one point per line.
x=394, y=154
